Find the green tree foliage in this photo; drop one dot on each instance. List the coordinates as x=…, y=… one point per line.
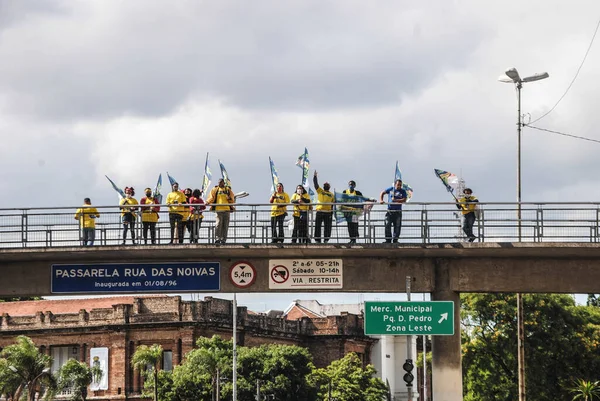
x=561, y=342
x=196, y=377
x=15, y=299
x=347, y=380
x=147, y=360
x=586, y=390
x=23, y=365
x=76, y=376
x=282, y=372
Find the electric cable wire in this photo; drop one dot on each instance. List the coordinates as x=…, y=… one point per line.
x=562, y=133
x=574, y=78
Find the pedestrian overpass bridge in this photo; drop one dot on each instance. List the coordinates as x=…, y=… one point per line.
x=441, y=266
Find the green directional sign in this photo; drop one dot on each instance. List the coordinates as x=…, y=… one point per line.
x=409, y=318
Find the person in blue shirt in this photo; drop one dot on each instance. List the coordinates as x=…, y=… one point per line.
x=396, y=196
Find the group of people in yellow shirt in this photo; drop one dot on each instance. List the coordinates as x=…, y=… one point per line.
x=302, y=204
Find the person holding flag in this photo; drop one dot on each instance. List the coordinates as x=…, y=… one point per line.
x=221, y=200
x=324, y=208
x=351, y=213
x=279, y=199
x=396, y=197
x=468, y=206
x=128, y=213
x=149, y=215
x=175, y=199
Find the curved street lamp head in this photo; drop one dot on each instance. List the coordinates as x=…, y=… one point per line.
x=504, y=79
x=536, y=77
x=513, y=74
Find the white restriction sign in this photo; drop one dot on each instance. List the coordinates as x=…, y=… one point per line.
x=242, y=274
x=306, y=274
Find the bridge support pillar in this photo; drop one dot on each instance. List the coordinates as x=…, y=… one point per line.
x=446, y=350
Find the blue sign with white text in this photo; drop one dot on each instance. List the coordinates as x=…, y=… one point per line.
x=134, y=277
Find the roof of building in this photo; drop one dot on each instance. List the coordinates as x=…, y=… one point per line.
x=314, y=308
x=57, y=306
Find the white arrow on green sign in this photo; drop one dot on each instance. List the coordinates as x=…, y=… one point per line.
x=409, y=318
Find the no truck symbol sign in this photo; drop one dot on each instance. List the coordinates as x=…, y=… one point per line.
x=280, y=274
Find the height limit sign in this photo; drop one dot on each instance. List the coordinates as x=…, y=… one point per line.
x=242, y=274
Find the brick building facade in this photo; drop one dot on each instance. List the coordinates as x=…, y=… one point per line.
x=71, y=328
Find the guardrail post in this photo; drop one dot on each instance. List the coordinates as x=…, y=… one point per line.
x=253, y=224
x=539, y=224
x=24, y=228
x=424, y=226
x=48, y=237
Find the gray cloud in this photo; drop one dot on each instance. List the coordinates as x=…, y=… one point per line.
x=147, y=58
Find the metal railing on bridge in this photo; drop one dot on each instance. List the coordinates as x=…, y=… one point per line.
x=251, y=224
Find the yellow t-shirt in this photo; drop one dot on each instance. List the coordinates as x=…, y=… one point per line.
x=149, y=215
x=219, y=196
x=277, y=210
x=87, y=216
x=176, y=196
x=128, y=202
x=468, y=204
x=324, y=197
x=301, y=207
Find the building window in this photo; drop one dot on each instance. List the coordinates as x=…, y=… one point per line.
x=167, y=361
x=60, y=355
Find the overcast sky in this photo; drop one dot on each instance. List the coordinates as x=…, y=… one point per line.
x=131, y=89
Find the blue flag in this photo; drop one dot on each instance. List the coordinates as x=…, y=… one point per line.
x=115, y=187
x=207, y=176
x=304, y=164
x=347, y=212
x=274, y=175
x=405, y=186
x=171, y=179
x=157, y=188
x=224, y=174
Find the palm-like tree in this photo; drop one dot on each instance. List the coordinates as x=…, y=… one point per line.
x=586, y=390
x=145, y=357
x=30, y=368
x=77, y=376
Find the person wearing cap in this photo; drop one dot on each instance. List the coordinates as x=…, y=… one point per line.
x=87, y=216
x=279, y=199
x=324, y=208
x=196, y=207
x=351, y=214
x=175, y=199
x=150, y=216
x=128, y=211
x=301, y=201
x=396, y=197
x=468, y=206
x=221, y=200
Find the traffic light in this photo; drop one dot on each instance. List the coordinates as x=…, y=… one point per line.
x=408, y=376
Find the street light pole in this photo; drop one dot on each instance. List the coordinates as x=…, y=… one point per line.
x=519, y=125
x=512, y=76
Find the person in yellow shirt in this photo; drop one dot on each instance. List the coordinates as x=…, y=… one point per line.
x=278, y=212
x=175, y=199
x=87, y=216
x=301, y=201
x=324, y=213
x=221, y=200
x=468, y=206
x=128, y=211
x=150, y=216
